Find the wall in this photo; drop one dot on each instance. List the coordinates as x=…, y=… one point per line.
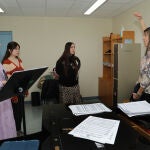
x=42, y=42
x=131, y=23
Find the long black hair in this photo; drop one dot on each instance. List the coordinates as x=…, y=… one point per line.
x=68, y=58
x=10, y=47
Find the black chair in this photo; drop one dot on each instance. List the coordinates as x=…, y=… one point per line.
x=50, y=91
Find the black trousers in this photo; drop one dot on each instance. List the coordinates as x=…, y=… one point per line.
x=146, y=97
x=18, y=112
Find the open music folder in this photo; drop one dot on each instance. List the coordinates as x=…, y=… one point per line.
x=85, y=109
x=97, y=129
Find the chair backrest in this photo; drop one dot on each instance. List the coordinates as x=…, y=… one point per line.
x=50, y=89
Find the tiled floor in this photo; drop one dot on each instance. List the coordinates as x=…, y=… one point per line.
x=33, y=118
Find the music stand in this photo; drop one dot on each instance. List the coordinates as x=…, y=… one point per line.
x=18, y=84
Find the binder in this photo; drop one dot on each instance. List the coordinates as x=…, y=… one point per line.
x=20, y=145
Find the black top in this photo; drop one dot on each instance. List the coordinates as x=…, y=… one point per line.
x=68, y=71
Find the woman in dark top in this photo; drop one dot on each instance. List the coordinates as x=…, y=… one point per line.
x=67, y=68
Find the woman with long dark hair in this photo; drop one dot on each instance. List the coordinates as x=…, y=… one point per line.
x=67, y=67
x=11, y=63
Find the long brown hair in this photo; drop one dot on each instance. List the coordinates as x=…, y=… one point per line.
x=147, y=31
x=68, y=58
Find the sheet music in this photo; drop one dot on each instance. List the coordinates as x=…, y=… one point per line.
x=85, y=109
x=135, y=108
x=97, y=129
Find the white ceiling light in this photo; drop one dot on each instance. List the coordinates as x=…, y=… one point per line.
x=94, y=7
x=1, y=10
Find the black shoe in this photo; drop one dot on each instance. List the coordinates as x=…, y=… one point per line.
x=20, y=133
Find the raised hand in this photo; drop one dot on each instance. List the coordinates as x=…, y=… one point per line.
x=137, y=15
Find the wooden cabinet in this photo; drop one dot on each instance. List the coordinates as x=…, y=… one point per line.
x=106, y=81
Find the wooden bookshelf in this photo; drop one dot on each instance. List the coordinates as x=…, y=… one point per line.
x=106, y=81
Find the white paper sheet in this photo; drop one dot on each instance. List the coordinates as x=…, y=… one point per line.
x=97, y=129
x=135, y=108
x=85, y=109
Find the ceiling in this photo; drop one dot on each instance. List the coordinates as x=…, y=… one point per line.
x=64, y=8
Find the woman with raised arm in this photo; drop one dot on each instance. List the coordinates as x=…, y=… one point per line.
x=143, y=91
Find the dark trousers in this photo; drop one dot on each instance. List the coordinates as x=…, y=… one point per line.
x=18, y=113
x=146, y=97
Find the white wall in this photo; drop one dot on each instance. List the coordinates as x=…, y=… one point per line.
x=129, y=22
x=42, y=42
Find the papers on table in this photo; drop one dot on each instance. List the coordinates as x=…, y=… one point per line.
x=85, y=109
x=135, y=108
x=97, y=129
